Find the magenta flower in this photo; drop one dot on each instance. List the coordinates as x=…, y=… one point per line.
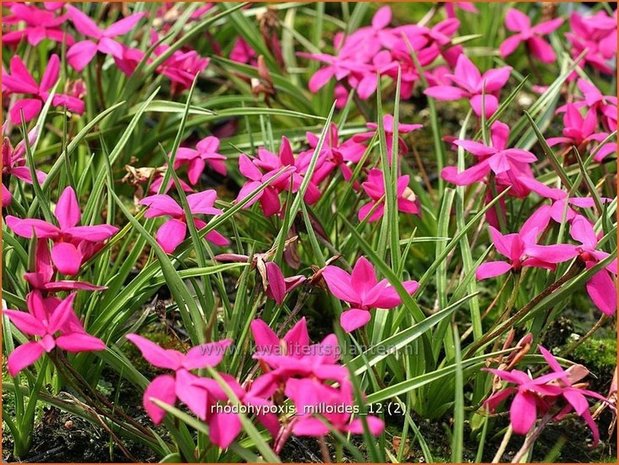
x=596, y=36
x=522, y=250
x=38, y=25
x=592, y=97
x=181, y=67
x=374, y=187
x=20, y=81
x=278, y=287
x=264, y=167
x=532, y=36
x=72, y=243
x=578, y=130
x=556, y=393
x=575, y=395
x=334, y=154
x=183, y=384
x=82, y=53
x=313, y=399
x=601, y=287
x=504, y=162
x=293, y=344
x=243, y=53
x=528, y=400
x=196, y=159
x=51, y=328
x=171, y=233
x=469, y=83
x=362, y=290
x=14, y=164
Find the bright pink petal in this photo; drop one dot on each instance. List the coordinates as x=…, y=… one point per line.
x=80, y=342
x=171, y=234
x=68, y=209
x=338, y=282
x=80, y=54
x=601, y=288
x=67, y=258
x=23, y=356
x=224, y=428
x=264, y=337
x=517, y=21
x=161, y=388
x=446, y=93
x=25, y=322
x=354, y=319
x=154, y=354
x=523, y=412
x=206, y=355
x=542, y=50
x=492, y=269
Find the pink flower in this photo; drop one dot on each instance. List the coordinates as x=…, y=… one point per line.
x=334, y=153
x=52, y=327
x=82, y=53
x=374, y=187
x=271, y=164
x=14, y=164
x=574, y=395
x=518, y=22
x=506, y=163
x=243, y=53
x=196, y=159
x=20, y=81
x=278, y=287
x=182, y=384
x=578, y=131
x=556, y=393
x=171, y=233
x=528, y=400
x=592, y=97
x=468, y=82
x=601, y=287
x=72, y=243
x=522, y=250
x=362, y=290
x=313, y=399
x=181, y=67
x=596, y=36
x=39, y=25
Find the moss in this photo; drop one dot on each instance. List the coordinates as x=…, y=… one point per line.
x=600, y=357
x=599, y=354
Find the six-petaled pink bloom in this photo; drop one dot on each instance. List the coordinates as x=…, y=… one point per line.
x=52, y=326
x=197, y=159
x=554, y=394
x=518, y=22
x=362, y=290
x=171, y=233
x=99, y=40
x=468, y=82
x=522, y=249
x=38, y=25
x=374, y=187
x=20, y=81
x=72, y=243
x=183, y=384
